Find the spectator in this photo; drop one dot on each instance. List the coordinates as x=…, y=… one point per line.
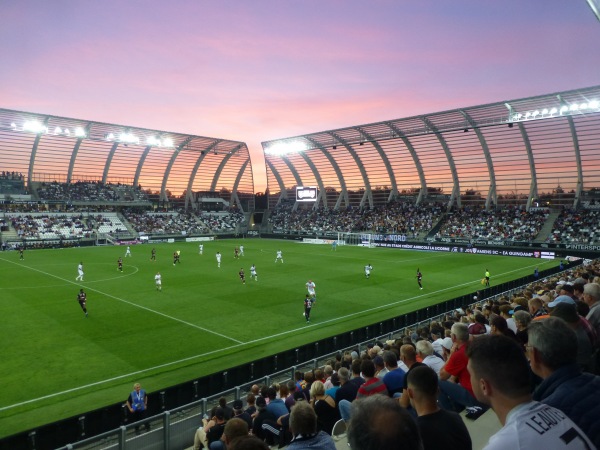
x=408, y=355
x=586, y=336
x=211, y=430
x=239, y=413
x=248, y=442
x=380, y=423
x=456, y=391
x=325, y=407
x=371, y=386
x=425, y=352
x=394, y=379
x=501, y=379
x=439, y=428
x=261, y=416
x=553, y=357
x=303, y=425
x=591, y=296
x=234, y=428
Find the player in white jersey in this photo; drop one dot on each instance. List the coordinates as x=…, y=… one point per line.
x=158, y=281
x=279, y=256
x=127, y=252
x=218, y=256
x=241, y=250
x=368, y=269
x=310, y=286
x=80, y=272
x=200, y=249
x=253, y=274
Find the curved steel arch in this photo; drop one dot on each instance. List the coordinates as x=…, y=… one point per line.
x=188, y=194
x=109, y=161
x=344, y=190
x=163, y=188
x=579, y=187
x=533, y=186
x=444, y=144
x=415, y=157
x=385, y=159
x=34, y=147
x=74, y=153
x=295, y=174
x=322, y=194
x=138, y=170
x=368, y=193
x=282, y=189
x=237, y=182
x=492, y=195
x=213, y=184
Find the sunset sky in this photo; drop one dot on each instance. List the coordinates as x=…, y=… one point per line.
x=257, y=70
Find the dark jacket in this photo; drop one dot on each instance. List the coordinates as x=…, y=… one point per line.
x=575, y=393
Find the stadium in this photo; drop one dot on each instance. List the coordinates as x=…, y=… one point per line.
x=511, y=185
x=240, y=225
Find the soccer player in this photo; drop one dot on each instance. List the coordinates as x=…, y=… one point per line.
x=176, y=257
x=21, y=250
x=279, y=256
x=242, y=276
x=236, y=253
x=128, y=252
x=253, y=274
x=308, y=303
x=487, y=277
x=82, y=298
x=200, y=249
x=80, y=271
x=153, y=255
x=158, y=281
x=310, y=286
x=368, y=269
x=120, y=264
x=334, y=246
x=241, y=250
x=218, y=256
x=419, y=278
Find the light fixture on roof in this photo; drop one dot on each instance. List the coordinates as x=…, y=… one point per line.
x=285, y=147
x=34, y=126
x=58, y=130
x=80, y=132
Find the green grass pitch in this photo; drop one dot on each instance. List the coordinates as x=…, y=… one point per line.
x=57, y=363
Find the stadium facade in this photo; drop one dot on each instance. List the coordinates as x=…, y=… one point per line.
x=535, y=151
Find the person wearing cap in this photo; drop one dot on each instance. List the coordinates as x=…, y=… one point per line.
x=591, y=297
x=239, y=413
x=261, y=416
x=446, y=347
x=211, y=430
x=552, y=352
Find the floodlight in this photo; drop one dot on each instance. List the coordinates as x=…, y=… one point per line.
x=167, y=142
x=58, y=130
x=110, y=137
x=535, y=113
x=283, y=148
x=34, y=126
x=553, y=111
x=527, y=114
x=594, y=104
x=152, y=141
x=13, y=126
x=544, y=111
x=79, y=132
x=67, y=132
x=564, y=109
x=583, y=106
x=574, y=107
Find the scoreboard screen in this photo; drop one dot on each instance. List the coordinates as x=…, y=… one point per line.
x=306, y=194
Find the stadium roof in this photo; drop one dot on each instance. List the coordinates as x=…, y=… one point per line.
x=50, y=148
x=519, y=148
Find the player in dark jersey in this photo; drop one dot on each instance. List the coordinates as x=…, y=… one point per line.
x=236, y=253
x=21, y=250
x=82, y=298
x=176, y=257
x=120, y=264
x=308, y=303
x=153, y=255
x=419, y=278
x=242, y=276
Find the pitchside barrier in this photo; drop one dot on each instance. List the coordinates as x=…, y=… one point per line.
x=175, y=413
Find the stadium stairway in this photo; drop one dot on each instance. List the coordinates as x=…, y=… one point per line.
x=127, y=225
x=547, y=228
x=10, y=235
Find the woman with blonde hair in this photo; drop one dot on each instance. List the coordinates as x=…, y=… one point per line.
x=324, y=406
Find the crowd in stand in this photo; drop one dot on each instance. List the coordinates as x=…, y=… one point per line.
x=50, y=227
x=12, y=183
x=7, y=175
x=580, y=226
x=222, y=222
x=89, y=191
x=165, y=223
x=393, y=218
x=529, y=357
x=502, y=225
